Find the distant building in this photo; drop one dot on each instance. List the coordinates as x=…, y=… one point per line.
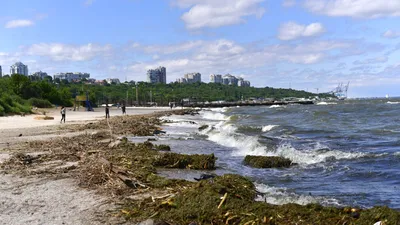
x=243, y=83
x=190, y=78
x=72, y=76
x=229, y=79
x=1, y=73
x=216, y=78
x=19, y=68
x=158, y=75
x=113, y=80
x=40, y=75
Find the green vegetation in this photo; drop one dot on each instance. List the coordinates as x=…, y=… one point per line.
x=44, y=93
x=266, y=161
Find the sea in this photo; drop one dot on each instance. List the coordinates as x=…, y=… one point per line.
x=346, y=153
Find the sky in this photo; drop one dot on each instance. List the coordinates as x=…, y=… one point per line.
x=310, y=45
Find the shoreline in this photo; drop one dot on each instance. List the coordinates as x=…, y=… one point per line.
x=301, y=208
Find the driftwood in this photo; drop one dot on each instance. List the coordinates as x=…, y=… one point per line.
x=223, y=200
x=27, y=159
x=122, y=174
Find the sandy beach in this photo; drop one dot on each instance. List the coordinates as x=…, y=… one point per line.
x=41, y=200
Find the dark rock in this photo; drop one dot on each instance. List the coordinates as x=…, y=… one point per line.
x=151, y=139
x=203, y=127
x=158, y=132
x=205, y=177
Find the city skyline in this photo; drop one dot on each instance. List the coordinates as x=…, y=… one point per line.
x=300, y=44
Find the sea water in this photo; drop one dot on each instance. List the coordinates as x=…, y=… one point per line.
x=347, y=153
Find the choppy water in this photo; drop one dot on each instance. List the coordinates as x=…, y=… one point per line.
x=347, y=153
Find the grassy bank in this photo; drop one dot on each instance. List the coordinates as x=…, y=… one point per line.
x=13, y=104
x=127, y=173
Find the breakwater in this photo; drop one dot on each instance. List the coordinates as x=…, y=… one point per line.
x=233, y=104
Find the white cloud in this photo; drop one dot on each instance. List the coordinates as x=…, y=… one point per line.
x=212, y=13
x=380, y=59
x=391, y=34
x=60, y=52
x=226, y=56
x=169, y=49
x=292, y=30
x=19, y=23
x=355, y=8
x=288, y=3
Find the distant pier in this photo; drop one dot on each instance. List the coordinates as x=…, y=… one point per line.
x=234, y=104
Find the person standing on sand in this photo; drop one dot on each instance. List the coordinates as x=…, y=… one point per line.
x=62, y=111
x=123, y=109
x=107, y=112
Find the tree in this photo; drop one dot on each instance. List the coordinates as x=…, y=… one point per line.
x=18, y=82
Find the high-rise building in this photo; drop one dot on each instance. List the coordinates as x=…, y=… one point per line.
x=216, y=78
x=1, y=73
x=19, y=68
x=243, y=83
x=190, y=78
x=158, y=75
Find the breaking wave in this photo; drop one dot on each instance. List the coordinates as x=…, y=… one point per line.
x=268, y=128
x=280, y=196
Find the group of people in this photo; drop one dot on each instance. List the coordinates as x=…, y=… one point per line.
x=107, y=110
x=123, y=108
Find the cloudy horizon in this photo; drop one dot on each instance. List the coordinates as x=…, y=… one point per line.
x=301, y=44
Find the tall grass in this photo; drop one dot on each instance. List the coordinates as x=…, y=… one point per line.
x=13, y=104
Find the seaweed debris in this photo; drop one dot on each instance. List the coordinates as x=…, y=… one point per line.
x=229, y=199
x=266, y=161
x=175, y=160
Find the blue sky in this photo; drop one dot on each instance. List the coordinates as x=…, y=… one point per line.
x=302, y=44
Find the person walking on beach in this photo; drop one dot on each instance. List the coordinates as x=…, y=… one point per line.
x=62, y=111
x=123, y=109
x=107, y=112
x=170, y=105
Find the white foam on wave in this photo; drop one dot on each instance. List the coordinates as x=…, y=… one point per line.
x=276, y=106
x=268, y=128
x=313, y=156
x=225, y=135
x=326, y=103
x=179, y=121
x=396, y=153
x=213, y=115
x=280, y=196
x=392, y=103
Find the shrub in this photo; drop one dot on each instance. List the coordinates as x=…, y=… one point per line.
x=40, y=103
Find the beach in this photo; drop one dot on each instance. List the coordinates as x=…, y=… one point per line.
x=45, y=200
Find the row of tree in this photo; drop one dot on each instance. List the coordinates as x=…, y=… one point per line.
x=44, y=93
